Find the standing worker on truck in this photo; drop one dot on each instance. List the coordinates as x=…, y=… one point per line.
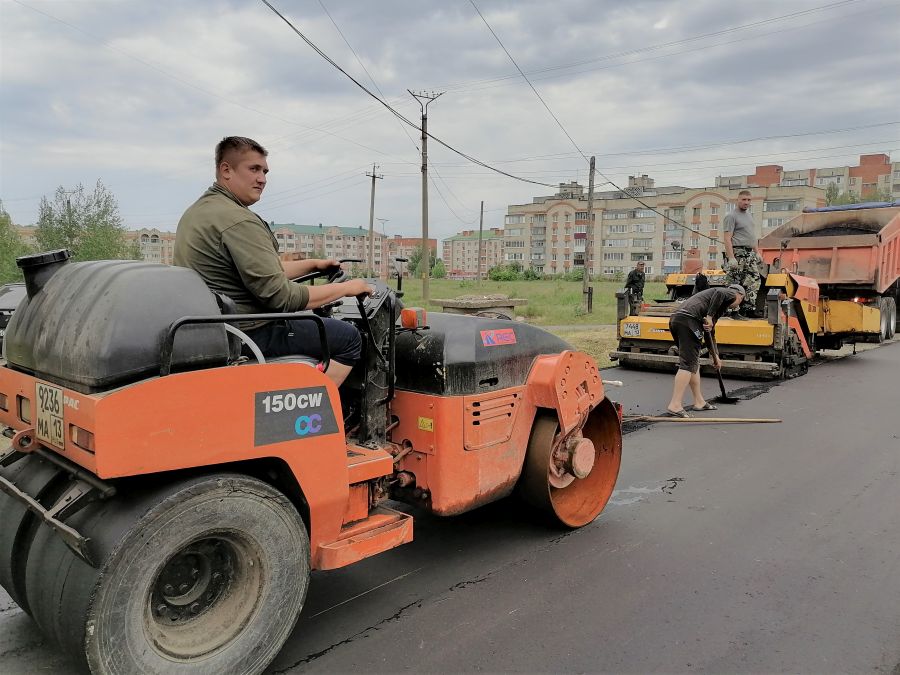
x=698, y=313
x=743, y=263
x=634, y=286
x=236, y=254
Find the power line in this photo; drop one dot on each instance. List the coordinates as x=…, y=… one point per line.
x=402, y=125
x=525, y=77
x=390, y=108
x=593, y=170
x=488, y=83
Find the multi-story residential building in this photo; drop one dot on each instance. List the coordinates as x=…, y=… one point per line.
x=403, y=247
x=460, y=252
x=329, y=241
x=154, y=245
x=551, y=234
x=335, y=242
x=874, y=173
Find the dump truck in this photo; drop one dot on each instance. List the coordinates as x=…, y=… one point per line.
x=832, y=277
x=164, y=498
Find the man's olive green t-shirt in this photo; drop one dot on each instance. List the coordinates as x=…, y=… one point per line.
x=236, y=254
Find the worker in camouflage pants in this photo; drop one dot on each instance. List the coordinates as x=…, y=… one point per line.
x=744, y=264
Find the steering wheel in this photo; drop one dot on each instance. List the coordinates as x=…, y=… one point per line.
x=334, y=274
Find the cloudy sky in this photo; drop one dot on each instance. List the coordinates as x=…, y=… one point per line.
x=136, y=94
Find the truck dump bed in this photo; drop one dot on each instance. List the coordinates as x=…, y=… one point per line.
x=857, y=246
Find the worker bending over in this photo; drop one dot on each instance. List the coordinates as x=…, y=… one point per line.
x=236, y=254
x=698, y=313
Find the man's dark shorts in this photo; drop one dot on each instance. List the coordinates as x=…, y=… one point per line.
x=286, y=338
x=687, y=333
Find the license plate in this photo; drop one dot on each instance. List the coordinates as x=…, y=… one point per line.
x=50, y=415
x=631, y=329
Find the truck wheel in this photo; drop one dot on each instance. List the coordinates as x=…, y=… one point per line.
x=18, y=526
x=889, y=305
x=885, y=319
x=206, y=576
x=572, y=479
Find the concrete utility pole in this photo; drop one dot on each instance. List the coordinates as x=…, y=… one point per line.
x=424, y=99
x=585, y=279
x=372, y=221
x=480, y=243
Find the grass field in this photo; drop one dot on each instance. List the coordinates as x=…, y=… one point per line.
x=550, y=303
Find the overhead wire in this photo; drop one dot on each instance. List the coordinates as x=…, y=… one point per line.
x=187, y=83
x=402, y=125
x=650, y=48
x=625, y=193
x=390, y=108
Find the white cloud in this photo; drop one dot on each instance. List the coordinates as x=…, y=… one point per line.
x=142, y=100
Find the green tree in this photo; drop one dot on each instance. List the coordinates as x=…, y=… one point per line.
x=89, y=225
x=11, y=247
x=416, y=257
x=831, y=194
x=439, y=271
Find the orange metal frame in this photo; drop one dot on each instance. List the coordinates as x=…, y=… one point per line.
x=469, y=450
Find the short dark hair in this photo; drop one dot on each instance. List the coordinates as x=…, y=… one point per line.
x=232, y=145
x=744, y=192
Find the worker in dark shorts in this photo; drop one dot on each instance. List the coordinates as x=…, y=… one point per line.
x=236, y=254
x=743, y=262
x=698, y=313
x=634, y=286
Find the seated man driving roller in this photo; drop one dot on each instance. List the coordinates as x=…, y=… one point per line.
x=236, y=254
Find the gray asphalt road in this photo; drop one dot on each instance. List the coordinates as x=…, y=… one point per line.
x=725, y=549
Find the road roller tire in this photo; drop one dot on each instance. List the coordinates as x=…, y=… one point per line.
x=18, y=526
x=201, y=577
x=581, y=500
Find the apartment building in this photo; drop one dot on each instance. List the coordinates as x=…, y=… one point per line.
x=403, y=247
x=460, y=252
x=551, y=234
x=874, y=173
x=154, y=245
x=331, y=241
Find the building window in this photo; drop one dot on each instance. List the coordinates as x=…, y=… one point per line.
x=615, y=243
x=696, y=212
x=780, y=206
x=672, y=255
x=773, y=222
x=642, y=243
x=616, y=229
x=614, y=256
x=581, y=215
x=514, y=232
x=515, y=220
x=713, y=210
x=643, y=227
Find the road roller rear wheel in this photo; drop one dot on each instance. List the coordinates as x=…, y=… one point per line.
x=18, y=526
x=205, y=576
x=571, y=479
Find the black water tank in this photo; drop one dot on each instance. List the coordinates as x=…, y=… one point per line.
x=96, y=325
x=460, y=355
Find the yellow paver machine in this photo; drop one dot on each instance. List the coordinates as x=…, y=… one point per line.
x=831, y=278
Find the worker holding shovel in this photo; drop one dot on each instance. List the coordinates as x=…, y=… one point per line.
x=697, y=314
